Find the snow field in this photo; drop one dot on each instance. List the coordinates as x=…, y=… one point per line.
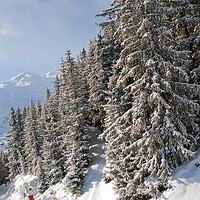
x=94, y=186
x=185, y=184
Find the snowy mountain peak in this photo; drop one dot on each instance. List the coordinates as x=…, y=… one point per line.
x=1, y=85
x=53, y=73
x=27, y=78
x=19, y=90
x=19, y=76
x=23, y=79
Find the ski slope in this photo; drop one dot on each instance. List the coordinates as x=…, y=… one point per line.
x=185, y=184
x=94, y=186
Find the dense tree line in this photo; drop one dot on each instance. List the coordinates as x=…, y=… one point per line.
x=3, y=168
x=152, y=121
x=139, y=84
x=51, y=140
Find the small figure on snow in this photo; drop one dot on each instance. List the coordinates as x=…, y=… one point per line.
x=30, y=194
x=197, y=164
x=29, y=191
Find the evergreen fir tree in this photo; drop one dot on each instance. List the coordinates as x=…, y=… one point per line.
x=75, y=123
x=3, y=168
x=41, y=176
x=24, y=113
x=50, y=148
x=38, y=109
x=21, y=136
x=103, y=52
x=63, y=97
x=154, y=128
x=186, y=28
x=77, y=169
x=82, y=65
x=13, y=146
x=57, y=91
x=32, y=139
x=56, y=123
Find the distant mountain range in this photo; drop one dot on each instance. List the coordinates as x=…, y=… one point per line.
x=18, y=92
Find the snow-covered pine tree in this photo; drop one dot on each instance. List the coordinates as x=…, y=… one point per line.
x=63, y=99
x=79, y=157
x=38, y=109
x=3, y=168
x=152, y=131
x=91, y=78
x=103, y=52
x=186, y=29
x=42, y=182
x=57, y=104
x=23, y=112
x=13, y=145
x=112, y=41
x=23, y=115
x=31, y=139
x=83, y=88
x=82, y=65
x=21, y=119
x=56, y=95
x=50, y=151
x=77, y=167
x=56, y=122
x=76, y=123
x=20, y=129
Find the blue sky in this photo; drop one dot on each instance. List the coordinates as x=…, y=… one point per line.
x=34, y=34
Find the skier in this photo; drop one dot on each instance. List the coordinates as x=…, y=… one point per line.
x=29, y=192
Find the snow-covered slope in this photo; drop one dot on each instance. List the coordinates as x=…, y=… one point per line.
x=185, y=182
x=19, y=90
x=94, y=186
x=185, y=185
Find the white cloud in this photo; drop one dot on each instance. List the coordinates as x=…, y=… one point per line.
x=7, y=29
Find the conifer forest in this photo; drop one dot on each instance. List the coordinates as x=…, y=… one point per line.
x=138, y=84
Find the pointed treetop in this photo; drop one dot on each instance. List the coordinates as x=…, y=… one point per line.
x=38, y=103
x=11, y=109
x=31, y=103
x=69, y=58
x=83, y=54
x=48, y=94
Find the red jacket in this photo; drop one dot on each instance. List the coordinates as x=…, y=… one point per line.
x=30, y=197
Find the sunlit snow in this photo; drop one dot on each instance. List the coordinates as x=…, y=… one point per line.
x=94, y=186
x=185, y=184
